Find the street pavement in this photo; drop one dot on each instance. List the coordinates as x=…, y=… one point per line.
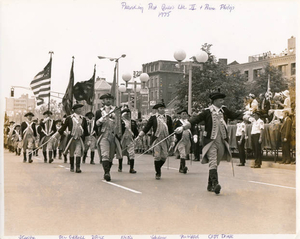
x=47, y=199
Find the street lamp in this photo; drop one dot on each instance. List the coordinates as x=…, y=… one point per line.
x=116, y=60
x=138, y=86
x=201, y=57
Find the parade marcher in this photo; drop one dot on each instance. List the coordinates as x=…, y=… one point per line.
x=28, y=134
x=129, y=133
x=37, y=138
x=9, y=132
x=63, y=142
x=77, y=126
x=183, y=140
x=215, y=143
x=162, y=126
x=46, y=130
x=90, y=140
x=286, y=132
x=256, y=137
x=58, y=124
x=240, y=140
x=16, y=136
x=108, y=141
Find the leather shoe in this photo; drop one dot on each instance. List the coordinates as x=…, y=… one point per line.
x=241, y=164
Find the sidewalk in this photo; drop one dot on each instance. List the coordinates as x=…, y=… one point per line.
x=267, y=163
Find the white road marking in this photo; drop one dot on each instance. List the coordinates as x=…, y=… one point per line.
x=272, y=185
x=114, y=184
x=61, y=166
x=37, y=158
x=171, y=168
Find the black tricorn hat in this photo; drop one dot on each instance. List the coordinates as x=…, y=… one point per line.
x=125, y=111
x=29, y=113
x=57, y=121
x=217, y=95
x=47, y=112
x=12, y=122
x=89, y=113
x=76, y=106
x=181, y=111
x=17, y=125
x=105, y=96
x=155, y=107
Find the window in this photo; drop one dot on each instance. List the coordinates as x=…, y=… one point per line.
x=247, y=74
x=257, y=73
x=283, y=69
x=293, y=69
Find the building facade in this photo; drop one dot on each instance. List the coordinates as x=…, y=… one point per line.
x=285, y=62
x=16, y=108
x=163, y=78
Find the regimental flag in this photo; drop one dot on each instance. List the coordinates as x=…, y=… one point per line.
x=84, y=90
x=67, y=100
x=118, y=126
x=113, y=87
x=41, y=84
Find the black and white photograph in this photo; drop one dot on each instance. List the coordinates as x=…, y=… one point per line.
x=148, y=119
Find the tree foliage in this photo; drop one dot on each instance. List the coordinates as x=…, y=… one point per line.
x=214, y=76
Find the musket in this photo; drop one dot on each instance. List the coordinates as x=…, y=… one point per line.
x=156, y=144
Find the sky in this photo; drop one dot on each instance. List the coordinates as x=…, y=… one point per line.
x=143, y=30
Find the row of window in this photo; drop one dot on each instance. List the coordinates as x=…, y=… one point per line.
x=282, y=68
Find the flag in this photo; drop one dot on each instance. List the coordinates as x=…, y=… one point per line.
x=41, y=84
x=67, y=100
x=118, y=126
x=113, y=87
x=84, y=90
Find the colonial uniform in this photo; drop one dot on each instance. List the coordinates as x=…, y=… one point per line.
x=46, y=130
x=16, y=137
x=37, y=138
x=108, y=141
x=9, y=133
x=90, y=140
x=129, y=133
x=63, y=141
x=56, y=142
x=28, y=134
x=77, y=126
x=162, y=126
x=183, y=143
x=215, y=143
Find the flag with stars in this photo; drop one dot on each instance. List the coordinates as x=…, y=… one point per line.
x=41, y=84
x=84, y=90
x=68, y=97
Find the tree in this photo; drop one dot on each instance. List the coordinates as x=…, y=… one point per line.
x=214, y=76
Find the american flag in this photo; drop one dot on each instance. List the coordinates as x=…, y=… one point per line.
x=41, y=84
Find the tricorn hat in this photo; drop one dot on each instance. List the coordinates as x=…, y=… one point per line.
x=76, y=106
x=29, y=113
x=57, y=121
x=89, y=113
x=12, y=122
x=217, y=95
x=155, y=107
x=47, y=112
x=105, y=96
x=17, y=125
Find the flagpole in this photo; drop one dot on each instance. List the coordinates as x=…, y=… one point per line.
x=50, y=52
x=93, y=98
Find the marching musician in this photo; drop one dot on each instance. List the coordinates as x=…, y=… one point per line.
x=46, y=130
x=162, y=128
x=28, y=134
x=77, y=126
x=108, y=140
x=129, y=133
x=90, y=140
